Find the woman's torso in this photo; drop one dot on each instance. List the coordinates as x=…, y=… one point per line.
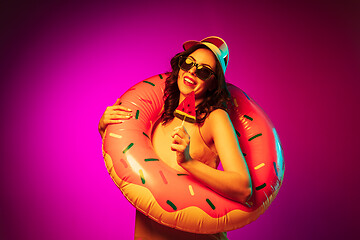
x=147, y=229
x=201, y=149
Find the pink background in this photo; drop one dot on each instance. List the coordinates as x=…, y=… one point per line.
x=63, y=62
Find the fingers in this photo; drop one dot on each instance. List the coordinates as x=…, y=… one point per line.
x=117, y=112
x=180, y=131
x=117, y=115
x=117, y=106
x=110, y=121
x=178, y=148
x=180, y=139
x=114, y=114
x=181, y=144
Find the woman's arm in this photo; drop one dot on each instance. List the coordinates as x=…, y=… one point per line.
x=234, y=182
x=113, y=114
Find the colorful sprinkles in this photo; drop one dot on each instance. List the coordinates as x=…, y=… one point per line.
x=151, y=159
x=161, y=77
x=115, y=135
x=248, y=117
x=235, y=102
x=259, y=166
x=276, y=171
x=210, y=204
x=142, y=176
x=171, y=205
x=253, y=137
x=191, y=190
x=128, y=147
x=152, y=84
x=137, y=114
x=260, y=187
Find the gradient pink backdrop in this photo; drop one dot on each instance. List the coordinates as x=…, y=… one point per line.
x=63, y=62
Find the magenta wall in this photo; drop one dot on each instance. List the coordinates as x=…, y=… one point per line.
x=62, y=63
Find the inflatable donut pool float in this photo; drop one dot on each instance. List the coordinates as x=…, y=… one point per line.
x=178, y=200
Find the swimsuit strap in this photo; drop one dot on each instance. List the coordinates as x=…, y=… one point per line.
x=215, y=153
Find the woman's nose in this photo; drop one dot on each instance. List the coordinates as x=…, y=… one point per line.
x=192, y=70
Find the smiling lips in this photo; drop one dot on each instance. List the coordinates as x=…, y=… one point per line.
x=189, y=82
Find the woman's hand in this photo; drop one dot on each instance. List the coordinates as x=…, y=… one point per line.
x=113, y=114
x=181, y=144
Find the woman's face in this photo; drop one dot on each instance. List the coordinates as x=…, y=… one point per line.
x=189, y=82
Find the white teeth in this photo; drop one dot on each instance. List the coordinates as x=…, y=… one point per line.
x=189, y=81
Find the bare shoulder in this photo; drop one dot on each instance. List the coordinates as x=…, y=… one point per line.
x=218, y=111
x=221, y=125
x=218, y=116
x=215, y=118
x=217, y=123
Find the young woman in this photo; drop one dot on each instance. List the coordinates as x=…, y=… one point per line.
x=195, y=148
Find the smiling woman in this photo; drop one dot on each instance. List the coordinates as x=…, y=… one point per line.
x=210, y=85
x=190, y=149
x=196, y=77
